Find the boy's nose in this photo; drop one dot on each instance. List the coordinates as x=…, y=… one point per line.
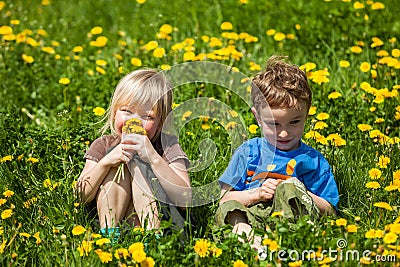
x=283, y=133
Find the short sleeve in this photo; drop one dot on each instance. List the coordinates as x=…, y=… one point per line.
x=172, y=151
x=234, y=173
x=100, y=147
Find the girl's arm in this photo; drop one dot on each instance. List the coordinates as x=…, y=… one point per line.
x=93, y=173
x=173, y=178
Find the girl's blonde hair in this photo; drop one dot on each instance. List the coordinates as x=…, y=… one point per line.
x=141, y=87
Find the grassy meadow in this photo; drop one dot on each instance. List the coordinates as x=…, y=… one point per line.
x=61, y=60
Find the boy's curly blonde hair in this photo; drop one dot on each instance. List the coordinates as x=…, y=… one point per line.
x=280, y=85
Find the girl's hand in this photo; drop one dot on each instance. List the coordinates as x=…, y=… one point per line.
x=139, y=144
x=267, y=189
x=122, y=153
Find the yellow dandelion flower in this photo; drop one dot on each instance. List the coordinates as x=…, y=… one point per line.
x=273, y=246
x=375, y=173
x=165, y=67
x=364, y=127
x=189, y=56
x=159, y=52
x=99, y=111
x=396, y=175
x=312, y=111
x=382, y=53
x=230, y=125
x=322, y=116
x=85, y=248
x=101, y=62
x=138, y=256
x=351, y=228
x=205, y=126
x=202, y=247
x=279, y=36
x=216, y=252
x=373, y=185
x=334, y=95
x=121, y=253
x=356, y=49
x=383, y=205
x=383, y=161
x=102, y=241
x=270, y=32
x=37, y=237
x=140, y=2
x=365, y=67
x=78, y=230
x=23, y=234
x=138, y=246
x=6, y=214
x=96, y=30
x=376, y=42
x=28, y=59
x=8, y=193
x=186, y=115
x=148, y=262
x=136, y=62
x=253, y=128
x=358, y=5
x=390, y=238
x=377, y=5
x=396, y=52
x=32, y=160
x=104, y=256
x=370, y=234
x=166, y=28
x=341, y=222
x=226, y=26
x=64, y=81
x=100, y=70
x=308, y=66
x=239, y=263
x=379, y=120
x=395, y=228
x=2, y=201
x=7, y=158
x=319, y=125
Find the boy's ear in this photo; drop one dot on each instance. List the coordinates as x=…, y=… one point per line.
x=253, y=109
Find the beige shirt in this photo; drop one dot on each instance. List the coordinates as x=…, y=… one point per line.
x=167, y=146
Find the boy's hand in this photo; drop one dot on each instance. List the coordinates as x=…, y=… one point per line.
x=267, y=189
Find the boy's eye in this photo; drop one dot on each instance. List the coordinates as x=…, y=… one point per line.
x=295, y=122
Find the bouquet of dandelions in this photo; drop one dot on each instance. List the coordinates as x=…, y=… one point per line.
x=131, y=126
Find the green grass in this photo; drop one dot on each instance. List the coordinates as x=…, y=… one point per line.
x=54, y=123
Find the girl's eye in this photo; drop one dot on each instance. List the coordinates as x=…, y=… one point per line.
x=126, y=110
x=295, y=122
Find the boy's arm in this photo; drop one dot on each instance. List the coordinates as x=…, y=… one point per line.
x=324, y=206
x=252, y=196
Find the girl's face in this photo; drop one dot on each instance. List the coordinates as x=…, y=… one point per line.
x=144, y=113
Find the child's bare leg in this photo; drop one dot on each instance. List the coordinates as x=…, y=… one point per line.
x=113, y=206
x=241, y=225
x=131, y=216
x=143, y=200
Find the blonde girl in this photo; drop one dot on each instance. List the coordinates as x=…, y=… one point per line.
x=147, y=95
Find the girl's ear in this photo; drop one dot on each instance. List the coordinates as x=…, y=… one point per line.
x=253, y=109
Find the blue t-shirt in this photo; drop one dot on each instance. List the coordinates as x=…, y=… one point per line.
x=256, y=158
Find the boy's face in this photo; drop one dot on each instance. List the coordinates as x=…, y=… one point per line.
x=282, y=127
